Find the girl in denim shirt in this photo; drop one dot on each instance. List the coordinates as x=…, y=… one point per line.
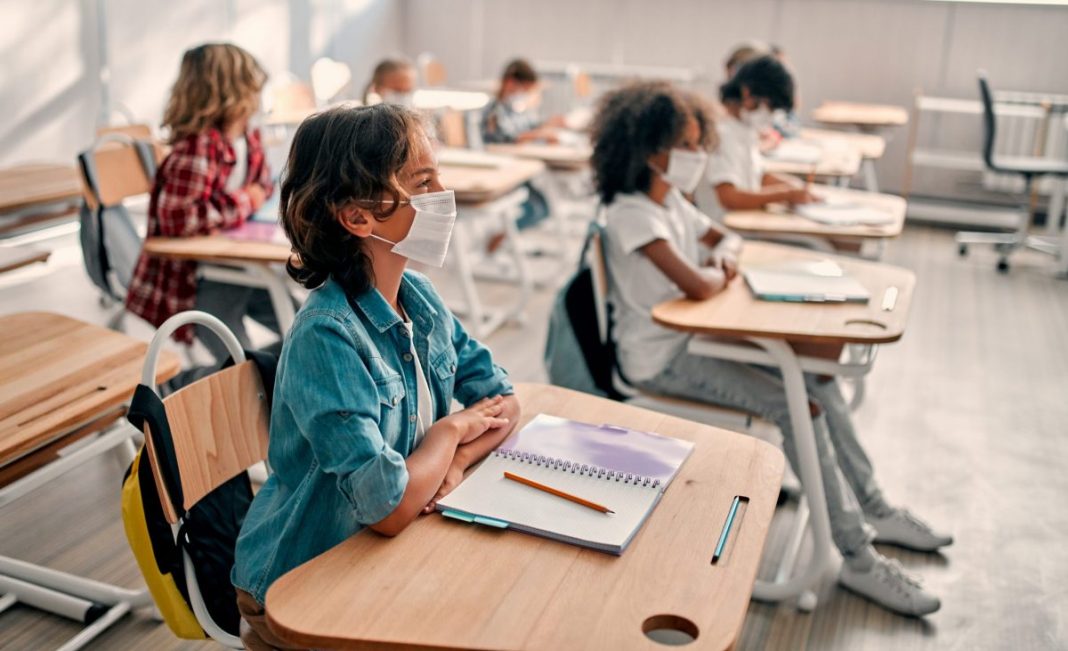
x=361, y=434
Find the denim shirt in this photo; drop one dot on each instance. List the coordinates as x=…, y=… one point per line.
x=344, y=418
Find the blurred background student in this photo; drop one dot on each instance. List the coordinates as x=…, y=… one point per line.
x=215, y=177
x=392, y=82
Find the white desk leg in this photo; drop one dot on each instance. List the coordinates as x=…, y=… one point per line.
x=1056, y=204
x=811, y=479
x=522, y=269
x=281, y=301
x=464, y=273
x=871, y=181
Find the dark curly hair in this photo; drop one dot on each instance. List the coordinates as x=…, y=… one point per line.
x=633, y=123
x=341, y=156
x=766, y=78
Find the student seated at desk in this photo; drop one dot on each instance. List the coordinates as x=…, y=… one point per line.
x=215, y=177
x=392, y=82
x=735, y=170
x=512, y=117
x=361, y=435
x=649, y=151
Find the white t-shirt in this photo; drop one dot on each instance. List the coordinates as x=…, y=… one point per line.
x=637, y=285
x=736, y=160
x=424, y=399
x=238, y=175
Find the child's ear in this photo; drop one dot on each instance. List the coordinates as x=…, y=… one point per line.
x=355, y=220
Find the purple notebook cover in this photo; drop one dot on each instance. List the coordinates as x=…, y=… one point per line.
x=606, y=446
x=256, y=231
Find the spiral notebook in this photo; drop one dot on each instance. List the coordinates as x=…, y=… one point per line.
x=623, y=469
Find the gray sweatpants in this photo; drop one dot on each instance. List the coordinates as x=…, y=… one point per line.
x=231, y=303
x=848, y=479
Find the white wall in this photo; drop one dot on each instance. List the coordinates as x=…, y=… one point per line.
x=862, y=50
x=50, y=51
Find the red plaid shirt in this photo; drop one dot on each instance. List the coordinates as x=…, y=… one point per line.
x=189, y=198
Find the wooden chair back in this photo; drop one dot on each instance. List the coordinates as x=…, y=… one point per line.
x=119, y=172
x=135, y=131
x=219, y=428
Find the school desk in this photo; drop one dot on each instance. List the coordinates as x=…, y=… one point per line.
x=735, y=325
x=861, y=116
x=556, y=157
x=16, y=257
x=488, y=193
x=55, y=189
x=443, y=584
x=61, y=381
x=871, y=147
x=236, y=262
x=778, y=219
x=840, y=162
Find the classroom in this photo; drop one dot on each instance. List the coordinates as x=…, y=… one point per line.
x=534, y=324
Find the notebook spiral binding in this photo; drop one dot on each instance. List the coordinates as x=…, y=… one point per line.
x=576, y=468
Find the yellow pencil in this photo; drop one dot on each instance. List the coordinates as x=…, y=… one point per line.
x=559, y=493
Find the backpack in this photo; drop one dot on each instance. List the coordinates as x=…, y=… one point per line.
x=207, y=532
x=109, y=239
x=574, y=334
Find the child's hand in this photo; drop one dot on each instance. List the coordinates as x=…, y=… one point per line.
x=474, y=421
x=453, y=477
x=256, y=194
x=726, y=262
x=801, y=195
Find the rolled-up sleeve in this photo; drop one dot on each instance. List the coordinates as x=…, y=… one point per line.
x=477, y=377
x=335, y=402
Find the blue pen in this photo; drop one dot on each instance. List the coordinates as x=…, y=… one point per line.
x=726, y=529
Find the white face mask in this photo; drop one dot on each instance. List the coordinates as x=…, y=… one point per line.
x=428, y=239
x=401, y=99
x=520, y=102
x=685, y=169
x=759, y=119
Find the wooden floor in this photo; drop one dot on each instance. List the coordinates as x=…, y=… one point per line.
x=966, y=419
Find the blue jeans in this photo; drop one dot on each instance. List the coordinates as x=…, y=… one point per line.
x=848, y=479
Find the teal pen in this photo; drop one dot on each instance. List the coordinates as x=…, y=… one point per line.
x=726, y=529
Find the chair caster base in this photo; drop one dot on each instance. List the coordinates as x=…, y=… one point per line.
x=1003, y=266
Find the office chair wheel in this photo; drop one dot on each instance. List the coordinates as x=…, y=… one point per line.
x=962, y=250
x=1003, y=266
x=807, y=601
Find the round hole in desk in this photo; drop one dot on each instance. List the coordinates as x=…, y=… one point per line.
x=670, y=630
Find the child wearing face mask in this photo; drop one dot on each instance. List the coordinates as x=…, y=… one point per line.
x=361, y=434
x=758, y=87
x=513, y=115
x=649, y=143
x=392, y=82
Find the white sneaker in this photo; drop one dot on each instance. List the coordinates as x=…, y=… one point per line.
x=901, y=528
x=887, y=584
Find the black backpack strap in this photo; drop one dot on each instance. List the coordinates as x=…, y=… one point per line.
x=147, y=408
x=88, y=164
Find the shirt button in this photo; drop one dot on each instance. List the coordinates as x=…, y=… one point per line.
x=412, y=418
x=407, y=357
x=452, y=369
x=395, y=400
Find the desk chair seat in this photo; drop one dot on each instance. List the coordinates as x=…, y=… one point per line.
x=1030, y=168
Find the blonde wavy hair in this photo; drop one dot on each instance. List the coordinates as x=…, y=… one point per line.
x=218, y=84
